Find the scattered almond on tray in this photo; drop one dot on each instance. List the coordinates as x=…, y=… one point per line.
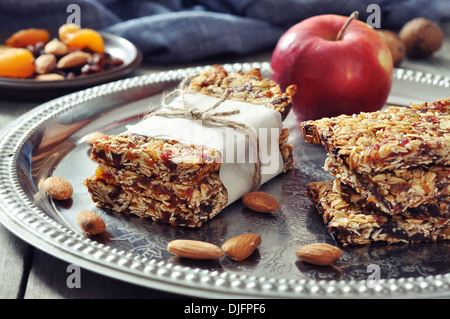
x=194, y=249
x=242, y=246
x=58, y=188
x=90, y=222
x=237, y=248
x=260, y=202
x=320, y=254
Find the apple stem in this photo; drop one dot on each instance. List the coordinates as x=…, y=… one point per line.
x=354, y=15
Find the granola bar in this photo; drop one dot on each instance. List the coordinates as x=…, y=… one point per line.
x=189, y=195
x=168, y=160
x=248, y=87
x=110, y=195
x=287, y=151
x=353, y=221
x=395, y=191
x=124, y=188
x=181, y=163
x=396, y=138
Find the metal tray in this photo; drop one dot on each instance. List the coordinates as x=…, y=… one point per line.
x=50, y=140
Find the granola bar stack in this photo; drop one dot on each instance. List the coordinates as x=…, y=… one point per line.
x=174, y=182
x=392, y=171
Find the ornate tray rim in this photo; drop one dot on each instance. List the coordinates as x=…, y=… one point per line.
x=22, y=217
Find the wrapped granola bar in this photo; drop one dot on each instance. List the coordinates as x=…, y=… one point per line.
x=179, y=165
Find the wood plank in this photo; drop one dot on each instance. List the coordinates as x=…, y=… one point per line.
x=49, y=275
x=15, y=262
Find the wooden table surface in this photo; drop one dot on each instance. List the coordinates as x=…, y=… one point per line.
x=29, y=273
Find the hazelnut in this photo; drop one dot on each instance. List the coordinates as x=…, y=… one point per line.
x=395, y=45
x=421, y=37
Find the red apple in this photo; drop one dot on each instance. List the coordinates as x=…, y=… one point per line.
x=333, y=76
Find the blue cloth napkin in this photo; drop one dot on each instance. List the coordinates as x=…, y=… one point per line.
x=169, y=31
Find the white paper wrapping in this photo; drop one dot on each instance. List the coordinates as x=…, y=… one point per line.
x=238, y=165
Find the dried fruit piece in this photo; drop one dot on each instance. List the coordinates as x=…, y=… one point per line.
x=87, y=38
x=58, y=188
x=421, y=37
x=396, y=46
x=25, y=37
x=242, y=246
x=321, y=254
x=44, y=63
x=261, y=202
x=90, y=222
x=76, y=38
x=16, y=62
x=36, y=49
x=73, y=59
x=66, y=30
x=194, y=249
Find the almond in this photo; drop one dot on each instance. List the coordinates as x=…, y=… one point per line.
x=49, y=77
x=242, y=246
x=90, y=222
x=319, y=254
x=194, y=249
x=44, y=63
x=73, y=59
x=58, y=188
x=94, y=136
x=56, y=47
x=260, y=202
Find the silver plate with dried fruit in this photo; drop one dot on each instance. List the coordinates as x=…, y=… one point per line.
x=51, y=139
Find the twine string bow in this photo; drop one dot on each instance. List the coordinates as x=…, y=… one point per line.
x=209, y=114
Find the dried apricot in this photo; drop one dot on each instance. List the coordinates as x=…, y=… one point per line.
x=87, y=38
x=77, y=38
x=25, y=37
x=67, y=30
x=16, y=62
